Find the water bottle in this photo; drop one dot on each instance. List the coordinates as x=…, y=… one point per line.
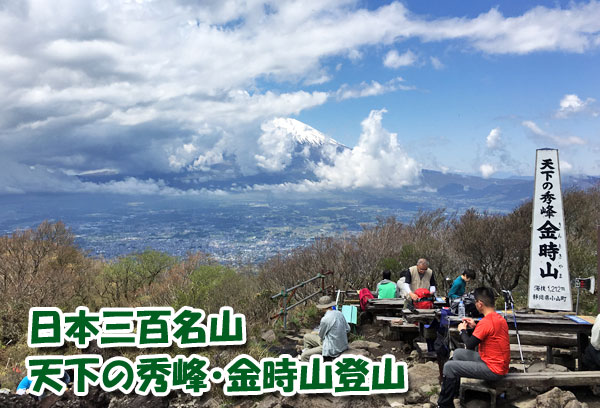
x=461, y=309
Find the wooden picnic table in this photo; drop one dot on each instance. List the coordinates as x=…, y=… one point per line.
x=558, y=324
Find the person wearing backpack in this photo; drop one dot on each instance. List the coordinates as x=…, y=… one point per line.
x=386, y=289
x=493, y=358
x=460, y=283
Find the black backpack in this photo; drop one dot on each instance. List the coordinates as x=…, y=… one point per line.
x=469, y=302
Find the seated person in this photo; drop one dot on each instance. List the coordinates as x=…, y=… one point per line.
x=23, y=385
x=332, y=339
x=591, y=357
x=460, y=283
x=492, y=360
x=386, y=289
x=26, y=383
x=419, y=277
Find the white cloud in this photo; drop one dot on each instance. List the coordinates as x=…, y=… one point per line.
x=487, y=170
x=493, y=139
x=436, y=63
x=276, y=145
x=534, y=128
x=543, y=135
x=571, y=104
x=565, y=167
x=354, y=55
x=573, y=29
x=371, y=89
x=393, y=60
x=377, y=161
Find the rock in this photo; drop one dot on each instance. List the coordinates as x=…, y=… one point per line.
x=309, y=401
x=189, y=401
x=17, y=401
x=557, y=398
x=576, y=404
x=413, y=397
x=362, y=344
x=395, y=400
x=357, y=352
x=269, y=336
x=428, y=390
x=211, y=403
x=413, y=355
x=422, y=383
x=269, y=401
x=524, y=402
x=245, y=404
x=140, y=401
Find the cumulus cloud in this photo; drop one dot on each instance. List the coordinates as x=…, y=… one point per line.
x=487, y=170
x=542, y=135
x=394, y=60
x=276, y=146
x=498, y=156
x=376, y=161
x=493, y=139
x=571, y=104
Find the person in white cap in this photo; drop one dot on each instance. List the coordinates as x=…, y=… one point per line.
x=332, y=338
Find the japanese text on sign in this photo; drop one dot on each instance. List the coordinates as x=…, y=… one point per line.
x=549, y=272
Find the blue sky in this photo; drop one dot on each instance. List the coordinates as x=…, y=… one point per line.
x=144, y=90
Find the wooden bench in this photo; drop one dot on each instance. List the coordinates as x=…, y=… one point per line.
x=512, y=380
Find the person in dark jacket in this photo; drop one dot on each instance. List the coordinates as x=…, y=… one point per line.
x=460, y=283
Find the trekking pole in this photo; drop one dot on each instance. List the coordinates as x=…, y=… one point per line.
x=509, y=299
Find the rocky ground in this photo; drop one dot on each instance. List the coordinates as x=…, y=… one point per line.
x=372, y=342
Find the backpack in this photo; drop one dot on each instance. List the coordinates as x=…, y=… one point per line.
x=425, y=299
x=364, y=295
x=468, y=300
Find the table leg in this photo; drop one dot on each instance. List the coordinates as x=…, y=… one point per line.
x=549, y=358
x=582, y=342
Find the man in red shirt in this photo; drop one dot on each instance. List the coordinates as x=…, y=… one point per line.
x=492, y=360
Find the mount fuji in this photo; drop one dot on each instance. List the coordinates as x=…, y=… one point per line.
x=288, y=151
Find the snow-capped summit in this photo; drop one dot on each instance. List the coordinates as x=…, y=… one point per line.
x=301, y=132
